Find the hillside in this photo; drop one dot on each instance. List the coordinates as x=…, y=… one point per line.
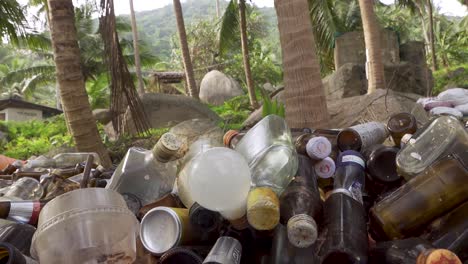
x=158, y=26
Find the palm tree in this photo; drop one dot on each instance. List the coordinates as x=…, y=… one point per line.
x=375, y=69
x=70, y=80
x=218, y=12
x=189, y=75
x=12, y=20
x=141, y=88
x=234, y=16
x=431, y=35
x=304, y=94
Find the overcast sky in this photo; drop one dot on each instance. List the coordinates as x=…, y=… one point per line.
x=449, y=7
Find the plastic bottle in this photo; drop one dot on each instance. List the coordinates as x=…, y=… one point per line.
x=442, y=136
x=401, y=124
x=272, y=159
x=362, y=136
x=344, y=214
x=434, y=192
x=147, y=175
x=410, y=251
x=300, y=205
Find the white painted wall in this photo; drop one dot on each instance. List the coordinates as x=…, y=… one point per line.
x=21, y=114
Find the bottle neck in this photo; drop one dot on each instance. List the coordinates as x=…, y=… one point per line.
x=21, y=211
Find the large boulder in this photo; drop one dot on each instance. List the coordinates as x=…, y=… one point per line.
x=216, y=88
x=349, y=80
x=103, y=116
x=408, y=77
x=164, y=110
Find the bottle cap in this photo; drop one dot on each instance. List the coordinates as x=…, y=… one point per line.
x=230, y=134
x=203, y=218
x=168, y=145
x=302, y=230
x=180, y=255
x=351, y=157
x=325, y=168
x=405, y=139
x=318, y=148
x=437, y=256
x=263, y=212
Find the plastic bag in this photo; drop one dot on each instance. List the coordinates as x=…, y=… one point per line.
x=456, y=96
x=463, y=109
x=446, y=111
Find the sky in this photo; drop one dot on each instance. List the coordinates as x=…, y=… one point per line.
x=449, y=7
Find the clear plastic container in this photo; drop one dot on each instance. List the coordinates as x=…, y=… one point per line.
x=270, y=153
x=89, y=225
x=143, y=176
x=442, y=136
x=219, y=180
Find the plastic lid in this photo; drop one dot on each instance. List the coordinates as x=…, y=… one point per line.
x=203, y=218
x=160, y=230
x=228, y=137
x=325, y=168
x=302, y=230
x=438, y=256
x=263, y=212
x=318, y=148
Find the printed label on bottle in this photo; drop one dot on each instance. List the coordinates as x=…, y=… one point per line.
x=371, y=133
x=354, y=191
x=353, y=159
x=25, y=212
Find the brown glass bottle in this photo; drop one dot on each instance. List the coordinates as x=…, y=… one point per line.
x=283, y=252
x=381, y=169
x=19, y=235
x=346, y=239
x=362, y=136
x=301, y=140
x=11, y=255
x=300, y=205
x=21, y=211
x=434, y=192
x=401, y=124
x=410, y=251
x=451, y=231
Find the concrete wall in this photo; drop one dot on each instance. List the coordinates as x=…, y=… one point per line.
x=21, y=114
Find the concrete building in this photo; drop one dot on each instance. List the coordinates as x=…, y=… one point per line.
x=18, y=110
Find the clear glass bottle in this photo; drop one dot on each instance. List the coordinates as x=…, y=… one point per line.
x=147, y=175
x=227, y=250
x=25, y=188
x=434, y=192
x=441, y=136
x=400, y=124
x=272, y=160
x=62, y=160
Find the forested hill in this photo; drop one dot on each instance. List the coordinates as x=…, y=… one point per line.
x=157, y=26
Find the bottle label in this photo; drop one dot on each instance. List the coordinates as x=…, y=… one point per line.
x=25, y=212
x=353, y=159
x=371, y=133
x=354, y=191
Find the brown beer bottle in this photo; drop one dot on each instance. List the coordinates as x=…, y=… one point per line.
x=410, y=251
x=451, y=231
x=362, y=136
x=21, y=211
x=437, y=190
x=300, y=205
x=401, y=124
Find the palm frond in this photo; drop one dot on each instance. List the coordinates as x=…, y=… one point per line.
x=229, y=32
x=12, y=20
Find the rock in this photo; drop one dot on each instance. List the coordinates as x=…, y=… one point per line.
x=103, y=116
x=349, y=80
x=110, y=131
x=269, y=87
x=216, y=88
x=409, y=78
x=457, y=72
x=191, y=130
x=413, y=51
x=164, y=110
x=378, y=106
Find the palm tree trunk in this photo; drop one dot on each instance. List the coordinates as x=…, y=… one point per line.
x=431, y=36
x=245, y=55
x=306, y=105
x=136, y=50
x=70, y=80
x=218, y=11
x=189, y=75
x=375, y=70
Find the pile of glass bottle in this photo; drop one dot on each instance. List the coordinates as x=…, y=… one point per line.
x=371, y=193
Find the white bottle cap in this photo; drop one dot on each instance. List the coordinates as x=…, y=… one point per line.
x=325, y=168
x=318, y=148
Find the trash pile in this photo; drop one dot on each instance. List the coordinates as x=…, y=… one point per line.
x=450, y=102
x=270, y=194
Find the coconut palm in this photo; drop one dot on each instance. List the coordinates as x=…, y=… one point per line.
x=375, y=69
x=304, y=93
x=70, y=80
x=141, y=88
x=189, y=75
x=12, y=20
x=235, y=16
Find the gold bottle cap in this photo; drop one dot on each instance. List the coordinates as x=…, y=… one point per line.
x=168, y=145
x=229, y=136
x=438, y=256
x=263, y=211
